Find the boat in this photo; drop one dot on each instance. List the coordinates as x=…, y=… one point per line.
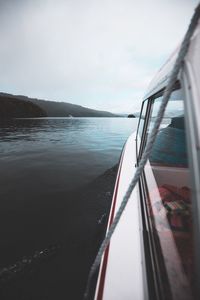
x=154, y=251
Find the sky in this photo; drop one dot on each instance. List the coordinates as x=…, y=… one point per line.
x=100, y=54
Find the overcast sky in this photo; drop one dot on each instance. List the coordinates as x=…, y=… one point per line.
x=96, y=53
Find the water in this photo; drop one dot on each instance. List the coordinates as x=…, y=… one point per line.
x=41, y=162
x=54, y=154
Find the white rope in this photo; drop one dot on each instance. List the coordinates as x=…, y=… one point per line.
x=149, y=145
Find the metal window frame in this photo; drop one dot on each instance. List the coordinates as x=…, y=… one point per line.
x=139, y=150
x=137, y=131
x=153, y=267
x=152, y=263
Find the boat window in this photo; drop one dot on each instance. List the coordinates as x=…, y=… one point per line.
x=142, y=118
x=141, y=123
x=168, y=202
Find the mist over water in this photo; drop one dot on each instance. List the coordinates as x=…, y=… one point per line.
x=43, y=163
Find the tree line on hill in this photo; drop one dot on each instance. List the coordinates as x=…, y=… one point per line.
x=12, y=106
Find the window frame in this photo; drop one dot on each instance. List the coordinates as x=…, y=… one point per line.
x=152, y=266
x=151, y=261
x=139, y=148
x=150, y=101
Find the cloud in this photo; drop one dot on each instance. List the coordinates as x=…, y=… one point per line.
x=100, y=54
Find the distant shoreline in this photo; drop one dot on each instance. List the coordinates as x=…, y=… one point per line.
x=16, y=106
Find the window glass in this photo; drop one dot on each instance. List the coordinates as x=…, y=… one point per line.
x=170, y=144
x=141, y=125
x=142, y=119
x=169, y=200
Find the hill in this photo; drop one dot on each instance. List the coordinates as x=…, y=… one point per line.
x=61, y=109
x=17, y=108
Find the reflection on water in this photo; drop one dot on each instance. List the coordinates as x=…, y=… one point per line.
x=41, y=161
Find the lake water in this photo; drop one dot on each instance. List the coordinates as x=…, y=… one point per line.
x=41, y=161
x=53, y=154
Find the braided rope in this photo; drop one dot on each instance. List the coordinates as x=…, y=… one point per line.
x=173, y=77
